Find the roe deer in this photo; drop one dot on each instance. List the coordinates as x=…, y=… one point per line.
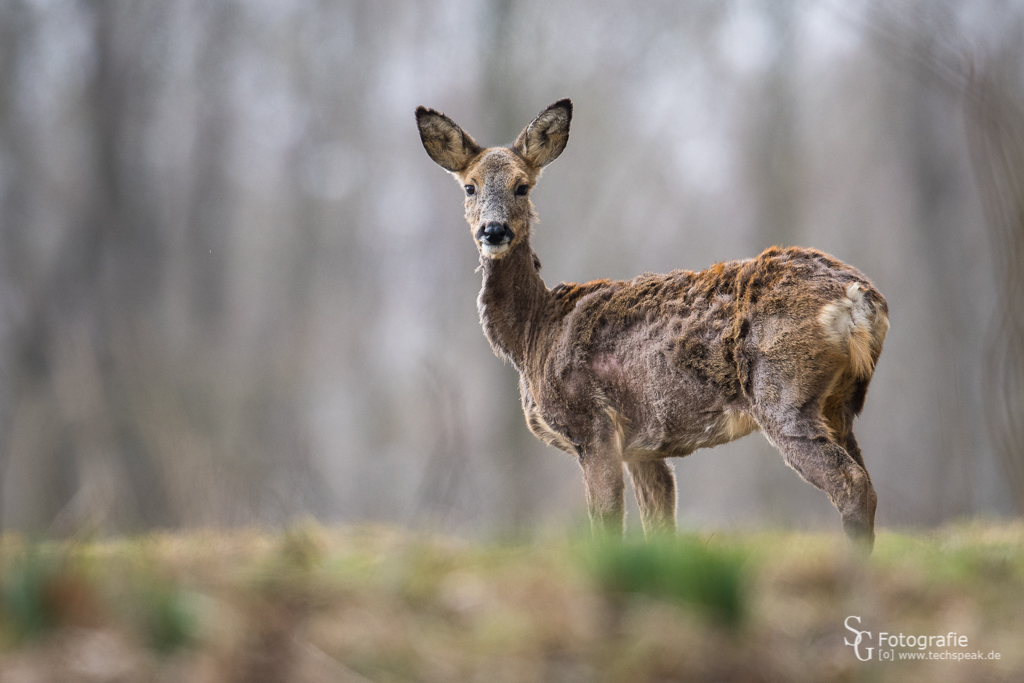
x=634, y=372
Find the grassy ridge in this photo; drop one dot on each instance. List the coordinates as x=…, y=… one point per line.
x=380, y=604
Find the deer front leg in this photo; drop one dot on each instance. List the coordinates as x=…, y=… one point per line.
x=602, y=476
x=654, y=484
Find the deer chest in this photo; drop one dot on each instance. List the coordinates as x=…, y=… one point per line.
x=545, y=427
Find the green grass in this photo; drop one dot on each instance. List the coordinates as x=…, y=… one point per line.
x=30, y=592
x=384, y=604
x=683, y=570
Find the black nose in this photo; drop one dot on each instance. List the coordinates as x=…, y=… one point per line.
x=494, y=232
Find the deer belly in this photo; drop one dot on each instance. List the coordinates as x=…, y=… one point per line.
x=677, y=438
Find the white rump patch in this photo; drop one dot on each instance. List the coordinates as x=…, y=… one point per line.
x=854, y=322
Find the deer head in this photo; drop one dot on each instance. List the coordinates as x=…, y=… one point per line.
x=497, y=180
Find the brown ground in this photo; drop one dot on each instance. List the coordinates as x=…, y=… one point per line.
x=379, y=604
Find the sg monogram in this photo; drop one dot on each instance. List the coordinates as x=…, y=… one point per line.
x=856, y=643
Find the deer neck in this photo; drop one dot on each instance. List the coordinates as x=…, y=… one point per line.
x=511, y=302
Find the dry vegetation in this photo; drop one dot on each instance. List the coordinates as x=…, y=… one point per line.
x=380, y=604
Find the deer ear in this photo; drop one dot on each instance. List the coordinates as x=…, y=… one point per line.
x=447, y=144
x=542, y=141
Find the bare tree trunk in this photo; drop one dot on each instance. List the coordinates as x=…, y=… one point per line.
x=995, y=118
x=775, y=170
x=516, y=453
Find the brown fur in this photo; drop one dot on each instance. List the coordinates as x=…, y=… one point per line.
x=632, y=372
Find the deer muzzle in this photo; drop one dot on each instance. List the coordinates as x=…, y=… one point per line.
x=494, y=237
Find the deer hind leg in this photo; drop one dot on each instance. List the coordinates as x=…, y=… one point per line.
x=602, y=476
x=654, y=484
x=854, y=450
x=809, y=448
x=839, y=410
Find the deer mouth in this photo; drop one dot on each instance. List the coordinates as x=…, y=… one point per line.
x=493, y=250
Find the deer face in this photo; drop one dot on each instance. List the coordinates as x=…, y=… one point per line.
x=498, y=207
x=497, y=181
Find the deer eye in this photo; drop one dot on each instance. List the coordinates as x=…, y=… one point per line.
x=522, y=190
x=470, y=190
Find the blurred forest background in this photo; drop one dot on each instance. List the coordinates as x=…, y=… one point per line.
x=234, y=289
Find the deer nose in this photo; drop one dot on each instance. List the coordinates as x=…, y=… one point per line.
x=494, y=233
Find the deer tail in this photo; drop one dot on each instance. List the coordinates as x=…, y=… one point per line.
x=858, y=321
